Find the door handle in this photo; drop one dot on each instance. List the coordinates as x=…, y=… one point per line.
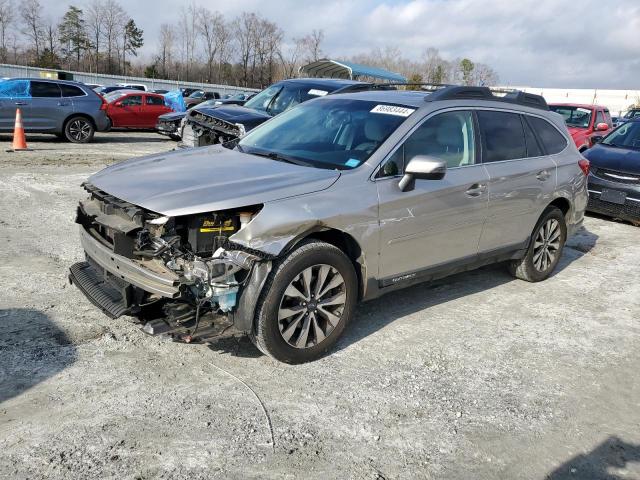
x=543, y=175
x=22, y=103
x=476, y=190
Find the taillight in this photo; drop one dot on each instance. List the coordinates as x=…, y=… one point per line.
x=584, y=166
x=104, y=104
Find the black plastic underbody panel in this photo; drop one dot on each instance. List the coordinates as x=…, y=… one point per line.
x=107, y=295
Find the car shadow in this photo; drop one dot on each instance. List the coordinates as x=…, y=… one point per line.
x=612, y=219
x=100, y=137
x=600, y=463
x=32, y=349
x=373, y=315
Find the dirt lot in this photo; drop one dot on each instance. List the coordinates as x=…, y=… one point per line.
x=477, y=377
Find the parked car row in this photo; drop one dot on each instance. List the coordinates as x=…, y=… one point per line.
x=75, y=111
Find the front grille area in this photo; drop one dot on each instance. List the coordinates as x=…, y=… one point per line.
x=630, y=210
x=615, y=176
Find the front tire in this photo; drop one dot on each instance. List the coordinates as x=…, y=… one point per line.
x=307, y=301
x=79, y=130
x=545, y=248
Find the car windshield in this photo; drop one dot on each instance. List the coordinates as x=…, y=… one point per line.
x=573, y=116
x=335, y=133
x=262, y=100
x=197, y=94
x=632, y=114
x=625, y=136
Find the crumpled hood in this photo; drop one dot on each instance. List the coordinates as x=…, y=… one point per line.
x=171, y=116
x=234, y=113
x=186, y=182
x=612, y=158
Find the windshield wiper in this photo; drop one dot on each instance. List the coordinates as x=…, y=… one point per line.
x=280, y=158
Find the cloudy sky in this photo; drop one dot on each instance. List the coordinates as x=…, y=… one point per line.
x=546, y=43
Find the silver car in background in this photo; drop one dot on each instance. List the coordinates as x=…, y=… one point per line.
x=69, y=110
x=339, y=200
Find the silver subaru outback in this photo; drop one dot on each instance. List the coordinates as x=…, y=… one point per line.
x=342, y=199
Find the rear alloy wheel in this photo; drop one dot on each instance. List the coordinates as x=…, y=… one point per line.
x=545, y=249
x=79, y=130
x=306, y=303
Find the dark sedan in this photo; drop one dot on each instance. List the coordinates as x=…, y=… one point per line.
x=169, y=123
x=222, y=123
x=614, y=181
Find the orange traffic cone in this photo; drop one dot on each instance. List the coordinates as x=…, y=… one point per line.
x=19, y=140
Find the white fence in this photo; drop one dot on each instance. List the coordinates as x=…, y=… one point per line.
x=617, y=101
x=99, y=78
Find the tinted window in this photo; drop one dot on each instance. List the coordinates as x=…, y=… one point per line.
x=533, y=148
x=503, y=136
x=551, y=138
x=626, y=136
x=448, y=136
x=71, y=91
x=44, y=89
x=573, y=116
x=132, y=100
x=153, y=100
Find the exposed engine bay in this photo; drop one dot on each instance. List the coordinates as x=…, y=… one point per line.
x=167, y=271
x=201, y=129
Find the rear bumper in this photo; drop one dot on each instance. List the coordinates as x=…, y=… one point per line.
x=630, y=210
x=103, y=123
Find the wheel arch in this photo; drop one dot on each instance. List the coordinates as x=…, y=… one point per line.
x=345, y=242
x=563, y=204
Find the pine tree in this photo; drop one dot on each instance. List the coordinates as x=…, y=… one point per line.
x=133, y=40
x=73, y=34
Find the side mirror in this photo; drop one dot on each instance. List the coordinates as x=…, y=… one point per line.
x=118, y=104
x=422, y=167
x=601, y=127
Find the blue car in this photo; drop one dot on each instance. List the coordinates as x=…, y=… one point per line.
x=614, y=179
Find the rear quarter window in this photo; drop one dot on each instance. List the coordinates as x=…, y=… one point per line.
x=552, y=140
x=71, y=91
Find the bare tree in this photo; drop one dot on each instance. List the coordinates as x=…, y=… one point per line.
x=187, y=31
x=267, y=45
x=95, y=22
x=312, y=46
x=484, y=75
x=290, y=57
x=215, y=35
x=166, y=46
x=30, y=11
x=245, y=27
x=114, y=19
x=6, y=20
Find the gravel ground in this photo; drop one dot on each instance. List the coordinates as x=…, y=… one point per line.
x=479, y=376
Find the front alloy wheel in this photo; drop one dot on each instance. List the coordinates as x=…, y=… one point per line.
x=306, y=303
x=312, y=306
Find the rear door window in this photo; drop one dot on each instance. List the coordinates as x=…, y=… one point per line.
x=607, y=118
x=44, y=89
x=599, y=118
x=153, y=100
x=552, y=140
x=502, y=136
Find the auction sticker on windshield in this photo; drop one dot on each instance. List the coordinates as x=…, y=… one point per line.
x=319, y=93
x=393, y=110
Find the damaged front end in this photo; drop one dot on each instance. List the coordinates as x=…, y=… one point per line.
x=201, y=129
x=182, y=276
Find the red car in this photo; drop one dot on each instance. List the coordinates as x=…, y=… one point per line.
x=587, y=124
x=135, y=109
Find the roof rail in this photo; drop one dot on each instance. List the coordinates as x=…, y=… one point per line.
x=457, y=92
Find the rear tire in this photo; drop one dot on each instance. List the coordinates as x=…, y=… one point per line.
x=79, y=130
x=306, y=303
x=545, y=248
